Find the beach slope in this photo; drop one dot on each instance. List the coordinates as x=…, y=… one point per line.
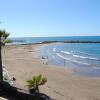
x=23, y=62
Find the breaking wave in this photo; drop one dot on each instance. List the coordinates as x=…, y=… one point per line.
x=78, y=56
x=71, y=59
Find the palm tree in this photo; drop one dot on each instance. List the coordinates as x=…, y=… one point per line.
x=35, y=83
x=3, y=37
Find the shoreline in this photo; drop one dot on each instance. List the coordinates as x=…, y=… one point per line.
x=55, y=56
x=23, y=62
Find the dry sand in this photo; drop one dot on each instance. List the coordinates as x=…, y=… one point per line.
x=23, y=62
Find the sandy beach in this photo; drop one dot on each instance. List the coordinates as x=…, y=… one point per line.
x=24, y=61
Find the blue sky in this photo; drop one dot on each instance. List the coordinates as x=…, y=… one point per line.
x=31, y=18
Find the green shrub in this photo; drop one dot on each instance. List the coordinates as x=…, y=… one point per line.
x=8, y=41
x=35, y=83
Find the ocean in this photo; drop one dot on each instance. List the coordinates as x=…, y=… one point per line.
x=84, y=57
x=31, y=40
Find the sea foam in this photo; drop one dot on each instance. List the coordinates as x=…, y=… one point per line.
x=78, y=56
x=54, y=49
x=71, y=59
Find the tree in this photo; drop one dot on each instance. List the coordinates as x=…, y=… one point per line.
x=3, y=38
x=35, y=83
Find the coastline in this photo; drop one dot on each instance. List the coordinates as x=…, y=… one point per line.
x=23, y=61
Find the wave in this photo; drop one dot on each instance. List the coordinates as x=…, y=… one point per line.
x=54, y=49
x=66, y=52
x=83, y=57
x=92, y=58
x=71, y=59
x=83, y=53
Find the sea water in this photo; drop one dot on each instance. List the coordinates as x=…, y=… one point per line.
x=31, y=40
x=84, y=57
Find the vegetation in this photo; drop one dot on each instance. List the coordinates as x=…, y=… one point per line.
x=35, y=83
x=8, y=41
x=3, y=38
